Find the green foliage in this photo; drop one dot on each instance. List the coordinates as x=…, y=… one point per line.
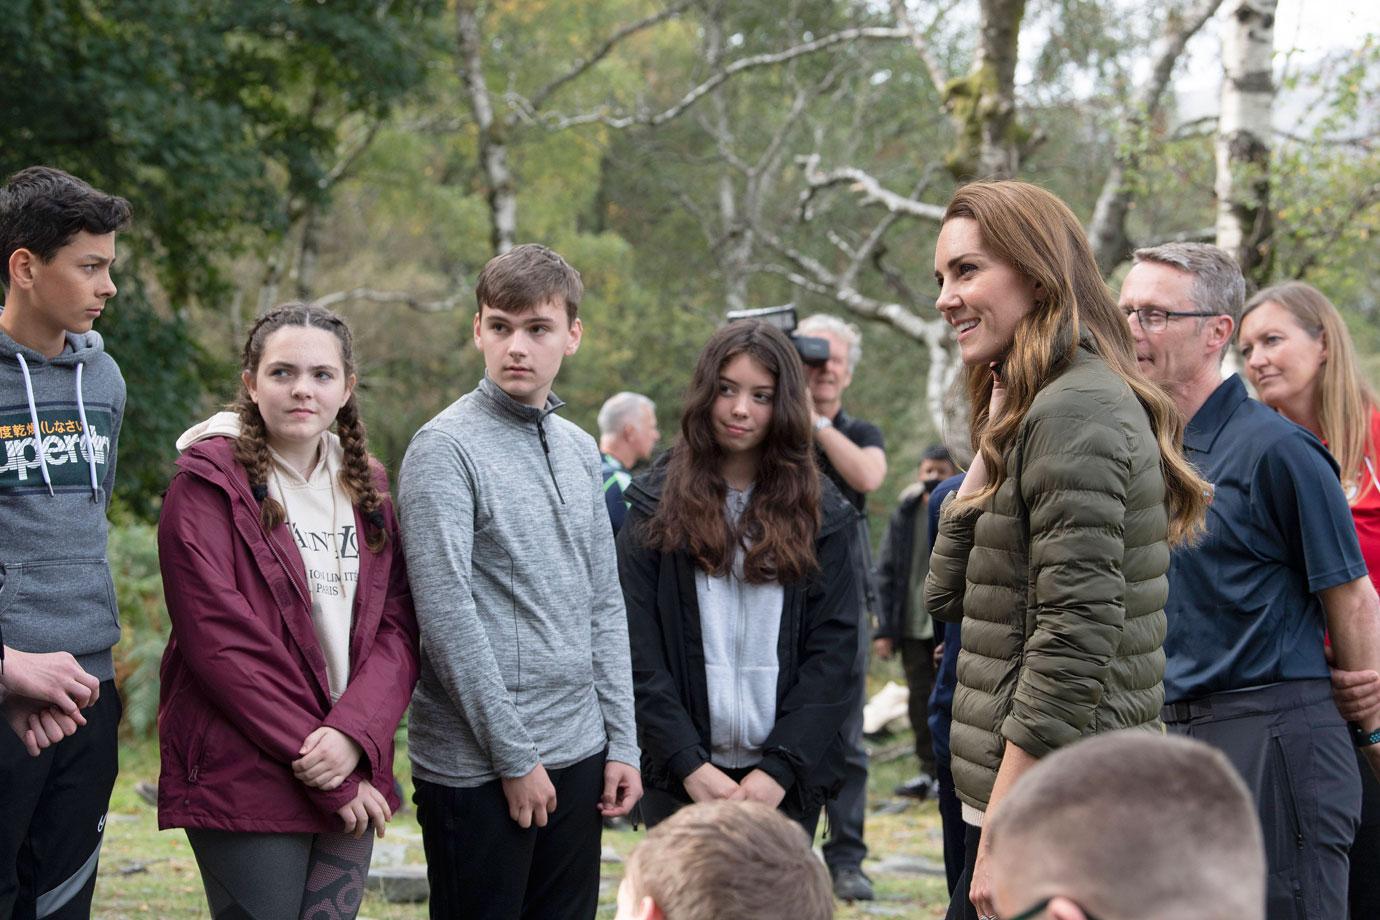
x=166, y=373
x=133, y=554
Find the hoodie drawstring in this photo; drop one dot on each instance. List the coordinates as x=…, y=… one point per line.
x=86, y=436
x=33, y=418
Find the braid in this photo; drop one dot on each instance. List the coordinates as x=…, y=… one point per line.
x=355, y=476
x=251, y=451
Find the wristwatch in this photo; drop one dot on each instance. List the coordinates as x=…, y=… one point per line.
x=1362, y=738
x=822, y=423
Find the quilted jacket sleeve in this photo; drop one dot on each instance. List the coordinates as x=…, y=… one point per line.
x=1074, y=477
x=948, y=577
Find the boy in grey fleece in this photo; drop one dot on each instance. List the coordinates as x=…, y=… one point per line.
x=61, y=403
x=522, y=731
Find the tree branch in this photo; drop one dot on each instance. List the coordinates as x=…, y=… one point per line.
x=372, y=295
x=920, y=43
x=539, y=98
x=558, y=123
x=1107, y=230
x=866, y=185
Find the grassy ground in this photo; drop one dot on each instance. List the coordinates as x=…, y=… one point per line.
x=145, y=873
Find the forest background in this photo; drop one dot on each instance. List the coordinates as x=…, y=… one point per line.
x=688, y=156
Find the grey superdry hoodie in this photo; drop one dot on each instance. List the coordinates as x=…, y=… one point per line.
x=515, y=580
x=56, y=593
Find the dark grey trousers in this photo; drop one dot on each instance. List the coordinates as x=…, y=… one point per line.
x=844, y=847
x=1293, y=750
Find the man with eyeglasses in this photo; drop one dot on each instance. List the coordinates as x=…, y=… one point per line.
x=1248, y=605
x=1129, y=825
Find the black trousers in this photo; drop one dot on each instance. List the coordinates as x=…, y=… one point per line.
x=917, y=659
x=960, y=908
x=52, y=816
x=1364, y=893
x=482, y=866
x=1293, y=750
x=951, y=816
x=847, y=811
x=659, y=804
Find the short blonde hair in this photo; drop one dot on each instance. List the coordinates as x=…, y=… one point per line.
x=726, y=860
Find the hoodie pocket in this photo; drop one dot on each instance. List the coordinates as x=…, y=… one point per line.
x=60, y=604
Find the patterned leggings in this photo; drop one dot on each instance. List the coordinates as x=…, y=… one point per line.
x=282, y=876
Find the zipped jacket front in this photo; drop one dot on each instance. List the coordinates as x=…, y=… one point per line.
x=817, y=679
x=243, y=676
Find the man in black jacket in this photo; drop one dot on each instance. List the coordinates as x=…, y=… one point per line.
x=901, y=617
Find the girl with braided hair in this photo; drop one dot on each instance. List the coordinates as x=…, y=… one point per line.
x=294, y=644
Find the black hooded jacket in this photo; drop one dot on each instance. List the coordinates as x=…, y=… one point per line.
x=817, y=646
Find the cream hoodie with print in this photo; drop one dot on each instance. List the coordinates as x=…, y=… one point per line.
x=322, y=523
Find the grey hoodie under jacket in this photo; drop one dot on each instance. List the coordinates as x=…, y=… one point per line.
x=511, y=560
x=56, y=593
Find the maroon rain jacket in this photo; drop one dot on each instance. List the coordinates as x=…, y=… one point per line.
x=243, y=677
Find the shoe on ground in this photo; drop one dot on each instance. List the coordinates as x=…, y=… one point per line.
x=850, y=884
x=919, y=787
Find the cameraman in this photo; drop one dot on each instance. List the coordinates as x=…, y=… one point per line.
x=850, y=452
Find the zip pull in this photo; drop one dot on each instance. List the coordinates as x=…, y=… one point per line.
x=546, y=449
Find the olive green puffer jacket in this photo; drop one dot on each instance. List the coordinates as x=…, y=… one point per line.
x=1060, y=580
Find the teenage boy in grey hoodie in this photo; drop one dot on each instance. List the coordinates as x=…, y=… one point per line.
x=61, y=402
x=522, y=733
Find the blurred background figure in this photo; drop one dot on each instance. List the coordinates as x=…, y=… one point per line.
x=1301, y=361
x=627, y=436
x=852, y=453
x=1131, y=826
x=901, y=618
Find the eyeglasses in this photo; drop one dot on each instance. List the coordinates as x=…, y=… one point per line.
x=1035, y=910
x=1153, y=319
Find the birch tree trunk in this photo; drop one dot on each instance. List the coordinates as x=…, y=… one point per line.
x=1244, y=223
x=982, y=104
x=1110, y=241
x=493, y=144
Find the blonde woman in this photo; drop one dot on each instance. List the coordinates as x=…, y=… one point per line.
x=1301, y=361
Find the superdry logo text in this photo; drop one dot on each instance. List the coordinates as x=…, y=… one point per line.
x=65, y=446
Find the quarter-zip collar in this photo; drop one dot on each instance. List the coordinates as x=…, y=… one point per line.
x=504, y=406
x=500, y=404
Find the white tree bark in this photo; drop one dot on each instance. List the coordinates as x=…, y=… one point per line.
x=1107, y=232
x=493, y=147
x=1243, y=134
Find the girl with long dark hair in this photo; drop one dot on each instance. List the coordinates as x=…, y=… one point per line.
x=742, y=603
x=294, y=646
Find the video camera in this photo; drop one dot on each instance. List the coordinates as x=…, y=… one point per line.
x=813, y=350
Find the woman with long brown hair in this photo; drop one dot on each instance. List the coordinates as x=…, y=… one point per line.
x=294, y=645
x=1055, y=550
x=1302, y=363
x=742, y=604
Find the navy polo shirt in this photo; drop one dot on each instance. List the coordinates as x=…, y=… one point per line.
x=1243, y=609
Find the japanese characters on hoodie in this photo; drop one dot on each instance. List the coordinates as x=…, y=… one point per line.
x=59, y=425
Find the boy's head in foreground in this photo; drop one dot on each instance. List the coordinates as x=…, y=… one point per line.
x=1128, y=826
x=526, y=322
x=725, y=861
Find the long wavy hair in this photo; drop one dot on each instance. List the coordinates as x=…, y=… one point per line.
x=1035, y=233
x=251, y=448
x=777, y=530
x=1345, y=398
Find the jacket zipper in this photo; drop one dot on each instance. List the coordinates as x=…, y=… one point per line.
x=545, y=449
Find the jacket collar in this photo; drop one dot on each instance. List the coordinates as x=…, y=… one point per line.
x=645, y=495
x=504, y=406
x=214, y=461
x=1213, y=415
